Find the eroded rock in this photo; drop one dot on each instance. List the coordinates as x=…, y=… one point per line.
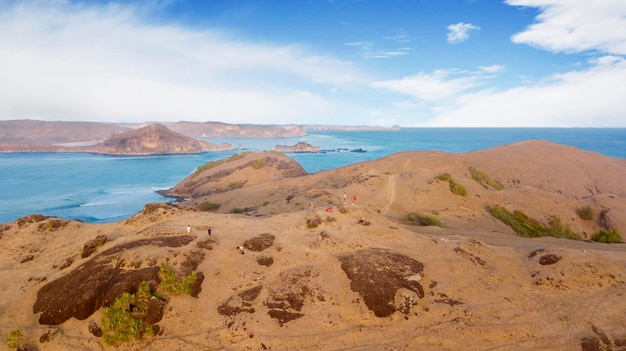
x=96, y=283
x=387, y=281
x=260, y=243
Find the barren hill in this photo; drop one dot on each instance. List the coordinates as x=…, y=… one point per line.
x=357, y=278
x=45, y=132
x=153, y=139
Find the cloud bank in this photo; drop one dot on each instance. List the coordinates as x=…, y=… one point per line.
x=69, y=61
x=589, y=96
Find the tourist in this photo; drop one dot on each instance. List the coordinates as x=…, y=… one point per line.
x=209, y=231
x=188, y=228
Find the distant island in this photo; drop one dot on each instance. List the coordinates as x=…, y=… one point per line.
x=298, y=148
x=132, y=139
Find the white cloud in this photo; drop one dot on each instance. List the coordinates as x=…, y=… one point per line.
x=576, y=25
x=587, y=98
x=493, y=68
x=105, y=62
x=459, y=32
x=439, y=85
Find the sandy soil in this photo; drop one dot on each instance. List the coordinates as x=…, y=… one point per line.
x=484, y=288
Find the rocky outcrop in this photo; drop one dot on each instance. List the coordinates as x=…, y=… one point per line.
x=153, y=139
x=97, y=282
x=299, y=147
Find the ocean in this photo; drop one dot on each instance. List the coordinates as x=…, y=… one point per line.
x=99, y=189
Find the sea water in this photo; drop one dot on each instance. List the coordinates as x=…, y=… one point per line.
x=99, y=188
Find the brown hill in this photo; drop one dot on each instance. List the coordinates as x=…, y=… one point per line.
x=316, y=280
x=237, y=172
x=226, y=130
x=45, y=132
x=153, y=139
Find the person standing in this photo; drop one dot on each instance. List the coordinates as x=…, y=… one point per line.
x=188, y=228
x=345, y=198
x=209, y=231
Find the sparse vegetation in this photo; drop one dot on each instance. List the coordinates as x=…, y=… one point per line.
x=170, y=283
x=212, y=164
x=483, y=179
x=119, y=325
x=423, y=220
x=210, y=206
x=607, y=236
x=586, y=213
x=527, y=227
x=235, y=185
x=259, y=163
x=455, y=187
x=14, y=339
x=239, y=210
x=313, y=222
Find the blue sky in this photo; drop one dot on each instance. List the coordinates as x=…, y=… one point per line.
x=466, y=63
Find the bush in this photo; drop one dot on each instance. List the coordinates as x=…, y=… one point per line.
x=423, y=220
x=209, y=206
x=586, y=213
x=556, y=229
x=236, y=185
x=170, y=283
x=607, y=236
x=484, y=180
x=239, y=210
x=527, y=227
x=258, y=163
x=455, y=187
x=14, y=339
x=118, y=323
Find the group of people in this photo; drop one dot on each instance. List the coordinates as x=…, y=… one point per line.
x=189, y=229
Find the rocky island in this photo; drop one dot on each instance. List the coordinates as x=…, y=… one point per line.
x=297, y=148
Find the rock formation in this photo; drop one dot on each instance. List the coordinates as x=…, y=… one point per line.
x=298, y=148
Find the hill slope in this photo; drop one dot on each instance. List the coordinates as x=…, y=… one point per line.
x=316, y=280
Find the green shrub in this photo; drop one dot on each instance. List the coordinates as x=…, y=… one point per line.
x=259, y=163
x=236, y=185
x=170, y=283
x=14, y=338
x=527, y=227
x=607, y=236
x=586, y=213
x=557, y=229
x=446, y=177
x=118, y=323
x=483, y=179
x=455, y=187
x=239, y=210
x=423, y=220
x=212, y=164
x=210, y=206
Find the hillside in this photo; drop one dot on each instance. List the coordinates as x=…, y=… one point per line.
x=358, y=278
x=153, y=139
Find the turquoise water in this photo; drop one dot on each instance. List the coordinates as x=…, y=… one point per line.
x=97, y=188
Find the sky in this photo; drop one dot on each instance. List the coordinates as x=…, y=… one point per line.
x=411, y=63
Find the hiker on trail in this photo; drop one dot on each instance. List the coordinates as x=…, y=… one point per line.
x=188, y=228
x=345, y=198
x=354, y=199
x=209, y=231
